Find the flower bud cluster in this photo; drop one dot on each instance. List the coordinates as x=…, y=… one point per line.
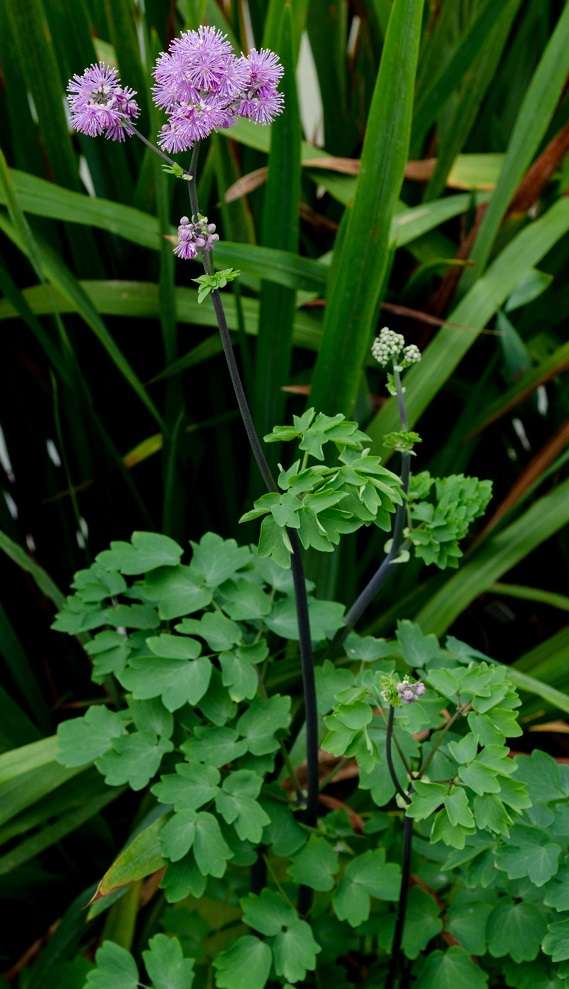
x=389, y=349
x=195, y=237
x=409, y=692
x=411, y=355
x=395, y=691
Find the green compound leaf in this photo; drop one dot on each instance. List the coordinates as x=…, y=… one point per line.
x=365, y=877
x=82, y=740
x=183, y=879
x=239, y=675
x=245, y=600
x=315, y=431
x=467, y=922
x=139, y=616
x=541, y=774
x=166, y=965
x=292, y=943
x=219, y=632
x=324, y=502
x=176, y=681
x=439, y=523
x=516, y=930
x=401, y=441
x=422, y=922
x=211, y=851
x=173, y=646
x=109, y=652
x=294, y=951
x=213, y=283
x=237, y=804
x=458, y=810
x=146, y=551
x=244, y=965
x=267, y=913
x=178, y=834
x=529, y=853
x=417, y=648
x=315, y=865
x=177, y=591
x=261, y=721
x=326, y=617
x=284, y=834
x=115, y=969
x=427, y=797
x=556, y=941
x=214, y=746
x=189, y=788
x=151, y=716
x=133, y=759
x=218, y=559
x=452, y=969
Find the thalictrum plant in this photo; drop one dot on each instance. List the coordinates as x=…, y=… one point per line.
x=445, y=859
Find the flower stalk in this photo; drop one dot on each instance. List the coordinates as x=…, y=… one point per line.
x=299, y=581
x=379, y=578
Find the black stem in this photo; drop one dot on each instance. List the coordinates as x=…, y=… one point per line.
x=303, y=617
x=389, y=756
x=395, y=959
x=151, y=146
x=308, y=680
x=373, y=587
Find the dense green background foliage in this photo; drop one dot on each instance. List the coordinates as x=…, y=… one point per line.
x=438, y=206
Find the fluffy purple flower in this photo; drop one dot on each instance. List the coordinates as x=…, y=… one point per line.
x=263, y=69
x=191, y=122
x=264, y=107
x=203, y=87
x=195, y=237
x=261, y=100
x=197, y=64
x=98, y=103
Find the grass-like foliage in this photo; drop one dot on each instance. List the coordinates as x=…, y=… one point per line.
x=251, y=748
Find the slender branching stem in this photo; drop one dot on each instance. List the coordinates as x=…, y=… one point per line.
x=305, y=641
x=389, y=756
x=371, y=589
x=395, y=957
x=406, y=856
x=400, y=751
x=151, y=147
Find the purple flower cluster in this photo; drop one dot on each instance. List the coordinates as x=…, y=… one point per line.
x=409, y=692
x=195, y=237
x=199, y=82
x=100, y=105
x=203, y=87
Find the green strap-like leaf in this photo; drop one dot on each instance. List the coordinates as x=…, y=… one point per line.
x=361, y=260
x=531, y=125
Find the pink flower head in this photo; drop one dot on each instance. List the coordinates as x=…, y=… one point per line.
x=196, y=64
x=261, y=100
x=98, y=103
x=263, y=108
x=191, y=122
x=263, y=69
x=203, y=87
